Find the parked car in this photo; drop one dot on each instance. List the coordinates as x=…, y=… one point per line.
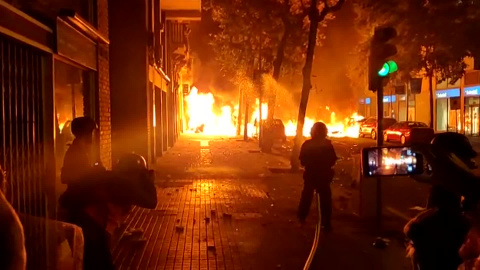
x=278, y=130
x=369, y=126
x=401, y=131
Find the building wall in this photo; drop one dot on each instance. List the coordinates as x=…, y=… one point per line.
x=422, y=104
x=104, y=87
x=128, y=77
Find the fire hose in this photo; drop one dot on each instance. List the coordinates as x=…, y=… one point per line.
x=316, y=240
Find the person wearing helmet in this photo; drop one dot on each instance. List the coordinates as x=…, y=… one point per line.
x=437, y=234
x=78, y=162
x=85, y=200
x=135, y=184
x=450, y=156
x=318, y=157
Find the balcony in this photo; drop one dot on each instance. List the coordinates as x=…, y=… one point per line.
x=182, y=10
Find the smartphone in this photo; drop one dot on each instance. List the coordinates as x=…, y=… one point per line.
x=391, y=161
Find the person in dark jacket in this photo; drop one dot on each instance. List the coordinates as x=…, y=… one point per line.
x=318, y=157
x=78, y=162
x=82, y=177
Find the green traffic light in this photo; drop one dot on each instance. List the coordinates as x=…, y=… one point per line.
x=384, y=71
x=393, y=66
x=388, y=68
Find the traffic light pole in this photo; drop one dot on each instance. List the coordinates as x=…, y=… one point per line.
x=379, y=144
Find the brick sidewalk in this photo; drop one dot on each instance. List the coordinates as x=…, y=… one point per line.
x=191, y=228
x=219, y=207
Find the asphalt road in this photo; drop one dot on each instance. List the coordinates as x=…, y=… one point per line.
x=403, y=197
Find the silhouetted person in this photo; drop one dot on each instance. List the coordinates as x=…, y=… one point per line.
x=84, y=200
x=318, y=157
x=78, y=163
x=12, y=240
x=438, y=233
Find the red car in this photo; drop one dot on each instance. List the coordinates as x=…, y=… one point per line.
x=401, y=131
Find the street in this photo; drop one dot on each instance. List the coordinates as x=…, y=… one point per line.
x=221, y=207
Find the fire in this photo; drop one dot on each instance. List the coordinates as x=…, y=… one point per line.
x=202, y=117
x=349, y=127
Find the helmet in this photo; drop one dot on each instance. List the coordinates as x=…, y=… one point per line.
x=82, y=126
x=131, y=162
x=455, y=143
x=319, y=129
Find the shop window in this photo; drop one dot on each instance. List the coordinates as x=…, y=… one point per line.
x=471, y=116
x=411, y=114
x=411, y=108
x=72, y=93
x=442, y=116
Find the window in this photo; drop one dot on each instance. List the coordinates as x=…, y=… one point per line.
x=442, y=114
x=73, y=88
x=370, y=121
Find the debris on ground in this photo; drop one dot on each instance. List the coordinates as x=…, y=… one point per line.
x=179, y=229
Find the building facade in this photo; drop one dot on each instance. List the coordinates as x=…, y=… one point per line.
x=456, y=104
x=54, y=58
x=150, y=66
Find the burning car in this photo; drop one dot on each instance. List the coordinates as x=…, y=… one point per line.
x=277, y=130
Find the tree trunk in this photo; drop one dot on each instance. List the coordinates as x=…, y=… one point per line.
x=307, y=84
x=430, y=88
x=268, y=136
x=240, y=112
x=277, y=66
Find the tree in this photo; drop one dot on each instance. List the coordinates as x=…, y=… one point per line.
x=318, y=12
x=429, y=41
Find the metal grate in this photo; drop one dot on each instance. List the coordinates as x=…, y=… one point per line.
x=21, y=140
x=177, y=34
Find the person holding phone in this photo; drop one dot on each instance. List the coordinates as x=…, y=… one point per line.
x=318, y=157
x=437, y=234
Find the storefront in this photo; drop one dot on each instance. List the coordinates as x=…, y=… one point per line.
x=472, y=110
x=365, y=107
x=389, y=106
x=448, y=110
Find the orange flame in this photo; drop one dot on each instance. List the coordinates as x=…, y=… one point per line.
x=202, y=118
x=349, y=127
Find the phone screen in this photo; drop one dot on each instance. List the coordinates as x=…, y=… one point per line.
x=391, y=161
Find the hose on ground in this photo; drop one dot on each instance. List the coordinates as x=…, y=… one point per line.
x=316, y=240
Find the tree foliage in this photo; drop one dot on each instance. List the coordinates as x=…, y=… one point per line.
x=428, y=39
x=433, y=36
x=250, y=34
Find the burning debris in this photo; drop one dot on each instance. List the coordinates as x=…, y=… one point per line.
x=349, y=127
x=206, y=117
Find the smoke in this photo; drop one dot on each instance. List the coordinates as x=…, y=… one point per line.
x=331, y=86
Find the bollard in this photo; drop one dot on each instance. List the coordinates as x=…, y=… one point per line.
x=316, y=240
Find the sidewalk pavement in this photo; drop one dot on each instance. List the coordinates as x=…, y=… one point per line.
x=221, y=208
